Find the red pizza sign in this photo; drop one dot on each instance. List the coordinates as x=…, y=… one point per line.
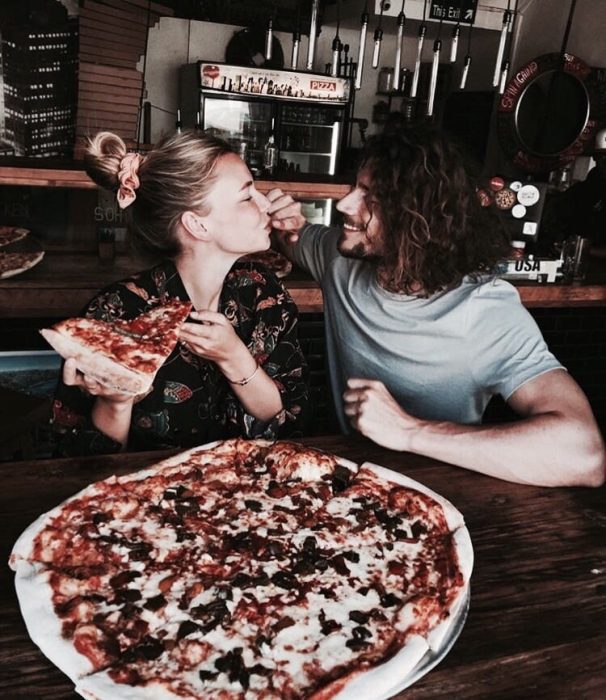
x=211, y=72
x=329, y=85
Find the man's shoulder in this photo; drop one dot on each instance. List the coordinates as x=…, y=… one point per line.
x=479, y=291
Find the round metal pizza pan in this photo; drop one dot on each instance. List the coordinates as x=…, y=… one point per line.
x=24, y=245
x=433, y=657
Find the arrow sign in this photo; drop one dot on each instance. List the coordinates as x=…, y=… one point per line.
x=463, y=11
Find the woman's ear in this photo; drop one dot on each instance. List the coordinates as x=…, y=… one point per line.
x=194, y=225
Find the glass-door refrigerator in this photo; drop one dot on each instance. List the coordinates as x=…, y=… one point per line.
x=283, y=123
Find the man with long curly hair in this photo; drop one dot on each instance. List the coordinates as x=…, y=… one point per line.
x=421, y=334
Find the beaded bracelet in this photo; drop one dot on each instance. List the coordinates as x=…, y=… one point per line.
x=244, y=382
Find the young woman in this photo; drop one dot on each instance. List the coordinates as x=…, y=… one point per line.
x=238, y=368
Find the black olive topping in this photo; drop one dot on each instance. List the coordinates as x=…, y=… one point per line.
x=155, y=603
x=208, y=675
x=340, y=479
x=100, y=518
x=388, y=600
x=173, y=492
x=361, y=632
x=124, y=577
x=241, y=580
x=283, y=579
x=359, y=616
x=130, y=595
x=356, y=644
x=186, y=628
x=255, y=506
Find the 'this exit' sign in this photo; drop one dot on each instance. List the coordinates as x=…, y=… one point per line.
x=463, y=11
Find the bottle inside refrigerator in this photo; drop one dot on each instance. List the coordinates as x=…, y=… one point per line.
x=299, y=116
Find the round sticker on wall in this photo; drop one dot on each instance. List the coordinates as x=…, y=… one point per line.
x=484, y=198
x=519, y=211
x=528, y=195
x=496, y=183
x=505, y=198
x=515, y=185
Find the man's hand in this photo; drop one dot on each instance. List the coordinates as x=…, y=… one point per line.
x=285, y=214
x=375, y=413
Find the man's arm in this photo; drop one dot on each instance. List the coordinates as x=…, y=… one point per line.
x=556, y=442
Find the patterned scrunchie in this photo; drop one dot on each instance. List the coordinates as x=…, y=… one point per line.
x=129, y=181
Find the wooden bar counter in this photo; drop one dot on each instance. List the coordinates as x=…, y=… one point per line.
x=536, y=626
x=64, y=282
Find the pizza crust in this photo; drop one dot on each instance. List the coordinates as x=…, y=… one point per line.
x=43, y=626
x=96, y=365
x=32, y=259
x=100, y=686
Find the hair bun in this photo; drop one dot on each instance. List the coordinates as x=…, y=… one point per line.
x=102, y=159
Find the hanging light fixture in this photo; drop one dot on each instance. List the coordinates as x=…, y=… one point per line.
x=420, y=42
x=456, y=33
x=296, y=39
x=505, y=67
x=435, y=64
x=336, y=45
x=311, y=48
x=501, y=50
x=362, y=47
x=401, y=21
x=467, y=60
x=454, y=43
x=269, y=39
x=378, y=38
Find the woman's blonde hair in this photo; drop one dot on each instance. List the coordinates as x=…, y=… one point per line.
x=175, y=176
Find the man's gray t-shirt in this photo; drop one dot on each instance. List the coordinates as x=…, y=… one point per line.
x=442, y=358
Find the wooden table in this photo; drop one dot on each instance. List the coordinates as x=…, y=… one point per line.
x=537, y=622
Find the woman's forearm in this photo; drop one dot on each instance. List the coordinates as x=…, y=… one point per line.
x=113, y=418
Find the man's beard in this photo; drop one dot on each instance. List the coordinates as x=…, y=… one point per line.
x=362, y=250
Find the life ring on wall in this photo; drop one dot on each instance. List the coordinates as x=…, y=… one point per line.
x=546, y=115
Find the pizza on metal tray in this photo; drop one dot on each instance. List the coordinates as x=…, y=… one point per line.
x=244, y=570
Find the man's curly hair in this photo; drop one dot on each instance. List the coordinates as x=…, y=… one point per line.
x=434, y=230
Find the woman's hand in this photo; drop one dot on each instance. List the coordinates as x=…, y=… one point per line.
x=215, y=339
x=375, y=413
x=73, y=377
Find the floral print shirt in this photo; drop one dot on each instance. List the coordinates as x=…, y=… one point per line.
x=191, y=402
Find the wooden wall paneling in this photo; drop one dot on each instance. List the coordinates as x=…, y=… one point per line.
x=125, y=114
x=109, y=50
x=111, y=75
x=113, y=38
x=154, y=6
x=99, y=11
x=108, y=37
x=89, y=88
x=88, y=99
x=117, y=62
x=100, y=119
x=124, y=32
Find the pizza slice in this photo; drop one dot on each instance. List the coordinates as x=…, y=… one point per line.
x=272, y=260
x=123, y=355
x=12, y=264
x=11, y=234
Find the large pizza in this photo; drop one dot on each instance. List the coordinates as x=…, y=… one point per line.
x=244, y=570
